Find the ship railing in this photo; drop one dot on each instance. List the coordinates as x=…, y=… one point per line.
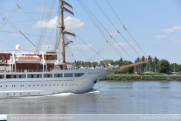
x=41, y=70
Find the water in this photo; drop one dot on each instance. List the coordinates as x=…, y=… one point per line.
x=114, y=98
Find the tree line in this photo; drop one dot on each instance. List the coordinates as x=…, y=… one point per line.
x=155, y=65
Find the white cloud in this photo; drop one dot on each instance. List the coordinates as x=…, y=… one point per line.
x=114, y=32
x=123, y=44
x=15, y=34
x=177, y=41
x=71, y=23
x=82, y=46
x=161, y=36
x=172, y=29
x=171, y=39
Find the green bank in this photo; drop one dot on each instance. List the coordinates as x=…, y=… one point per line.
x=136, y=77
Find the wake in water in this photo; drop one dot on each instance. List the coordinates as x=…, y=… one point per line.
x=56, y=95
x=93, y=91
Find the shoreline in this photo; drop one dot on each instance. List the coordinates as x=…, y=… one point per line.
x=125, y=78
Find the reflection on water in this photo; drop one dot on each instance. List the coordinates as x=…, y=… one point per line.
x=114, y=98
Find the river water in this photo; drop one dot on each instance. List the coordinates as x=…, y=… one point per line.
x=151, y=97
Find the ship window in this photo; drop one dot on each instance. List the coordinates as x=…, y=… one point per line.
x=47, y=75
x=58, y=75
x=15, y=76
x=79, y=74
x=68, y=75
x=34, y=76
x=1, y=76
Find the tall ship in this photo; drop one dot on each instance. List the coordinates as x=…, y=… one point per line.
x=35, y=72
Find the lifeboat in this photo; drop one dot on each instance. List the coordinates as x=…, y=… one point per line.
x=28, y=59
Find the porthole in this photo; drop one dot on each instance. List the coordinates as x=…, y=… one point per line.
x=28, y=93
x=54, y=85
x=14, y=93
x=29, y=85
x=62, y=84
x=57, y=84
x=6, y=86
x=7, y=94
x=42, y=85
x=37, y=85
x=49, y=84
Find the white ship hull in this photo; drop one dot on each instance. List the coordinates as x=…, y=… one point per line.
x=53, y=85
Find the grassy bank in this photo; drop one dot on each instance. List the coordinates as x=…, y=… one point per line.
x=134, y=77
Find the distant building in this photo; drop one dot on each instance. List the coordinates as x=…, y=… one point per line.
x=174, y=73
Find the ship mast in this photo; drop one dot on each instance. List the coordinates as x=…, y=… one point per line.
x=63, y=32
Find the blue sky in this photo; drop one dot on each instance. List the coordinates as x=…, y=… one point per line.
x=155, y=24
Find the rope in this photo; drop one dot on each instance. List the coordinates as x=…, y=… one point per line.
x=17, y=29
x=6, y=43
x=115, y=27
x=103, y=85
x=126, y=28
x=108, y=32
x=103, y=34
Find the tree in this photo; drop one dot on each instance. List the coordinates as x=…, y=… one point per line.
x=164, y=66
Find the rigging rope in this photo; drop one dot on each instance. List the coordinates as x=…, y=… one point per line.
x=47, y=17
x=78, y=37
x=8, y=19
x=97, y=26
x=108, y=32
x=25, y=33
x=83, y=51
x=16, y=28
x=6, y=43
x=116, y=28
x=125, y=27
